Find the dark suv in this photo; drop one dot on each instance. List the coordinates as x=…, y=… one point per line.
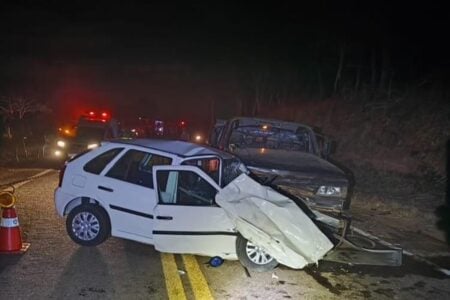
x=289, y=155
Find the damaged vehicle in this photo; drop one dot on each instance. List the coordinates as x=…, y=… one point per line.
x=290, y=155
x=188, y=198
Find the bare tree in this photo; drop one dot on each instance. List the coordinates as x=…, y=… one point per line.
x=15, y=112
x=17, y=109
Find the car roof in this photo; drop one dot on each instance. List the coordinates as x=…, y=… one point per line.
x=247, y=121
x=176, y=147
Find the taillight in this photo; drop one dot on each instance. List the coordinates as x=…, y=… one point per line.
x=61, y=175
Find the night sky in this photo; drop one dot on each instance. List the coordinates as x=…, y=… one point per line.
x=166, y=59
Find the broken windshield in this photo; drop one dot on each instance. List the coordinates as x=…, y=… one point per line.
x=272, y=138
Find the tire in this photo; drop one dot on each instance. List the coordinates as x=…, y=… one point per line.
x=88, y=225
x=252, y=257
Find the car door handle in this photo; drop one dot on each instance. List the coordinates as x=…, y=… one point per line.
x=164, y=217
x=104, y=188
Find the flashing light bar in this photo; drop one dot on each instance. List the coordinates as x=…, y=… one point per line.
x=94, y=116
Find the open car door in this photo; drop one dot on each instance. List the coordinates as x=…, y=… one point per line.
x=187, y=218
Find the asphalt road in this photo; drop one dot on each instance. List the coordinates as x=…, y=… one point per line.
x=56, y=268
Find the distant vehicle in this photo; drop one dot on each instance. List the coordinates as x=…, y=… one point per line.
x=187, y=198
x=167, y=129
x=289, y=155
x=91, y=129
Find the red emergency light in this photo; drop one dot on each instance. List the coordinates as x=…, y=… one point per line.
x=94, y=116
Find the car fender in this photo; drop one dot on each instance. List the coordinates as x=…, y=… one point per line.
x=82, y=200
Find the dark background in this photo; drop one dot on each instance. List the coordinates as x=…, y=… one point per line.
x=199, y=59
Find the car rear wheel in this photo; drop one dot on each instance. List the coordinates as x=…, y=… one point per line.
x=88, y=225
x=254, y=257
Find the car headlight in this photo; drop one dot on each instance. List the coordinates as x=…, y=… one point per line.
x=331, y=191
x=92, y=146
x=61, y=144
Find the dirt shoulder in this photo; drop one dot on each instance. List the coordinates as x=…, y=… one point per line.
x=400, y=209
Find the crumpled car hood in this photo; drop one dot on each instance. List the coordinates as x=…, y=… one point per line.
x=274, y=222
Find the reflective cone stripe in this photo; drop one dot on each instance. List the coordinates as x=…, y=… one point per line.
x=9, y=222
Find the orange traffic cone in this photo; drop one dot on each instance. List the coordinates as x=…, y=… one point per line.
x=10, y=237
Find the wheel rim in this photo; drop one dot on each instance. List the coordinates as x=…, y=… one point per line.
x=257, y=255
x=85, y=226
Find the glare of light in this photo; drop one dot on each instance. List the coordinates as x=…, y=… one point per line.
x=91, y=113
x=182, y=123
x=262, y=150
x=104, y=115
x=58, y=153
x=61, y=144
x=59, y=129
x=92, y=146
x=133, y=130
x=198, y=138
x=264, y=127
x=67, y=131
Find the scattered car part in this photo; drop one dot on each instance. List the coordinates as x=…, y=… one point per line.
x=215, y=261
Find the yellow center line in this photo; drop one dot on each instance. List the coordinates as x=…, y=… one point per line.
x=174, y=286
x=196, y=278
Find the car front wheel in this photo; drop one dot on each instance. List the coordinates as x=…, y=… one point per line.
x=254, y=257
x=88, y=225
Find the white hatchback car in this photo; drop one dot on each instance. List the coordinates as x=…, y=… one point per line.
x=156, y=192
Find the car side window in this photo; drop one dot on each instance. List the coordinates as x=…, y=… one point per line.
x=184, y=188
x=97, y=164
x=136, y=167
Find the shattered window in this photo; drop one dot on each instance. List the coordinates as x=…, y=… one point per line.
x=232, y=168
x=269, y=137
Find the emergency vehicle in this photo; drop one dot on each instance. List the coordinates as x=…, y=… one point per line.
x=91, y=129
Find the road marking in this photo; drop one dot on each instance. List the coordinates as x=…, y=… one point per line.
x=19, y=183
x=41, y=173
x=174, y=286
x=196, y=278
